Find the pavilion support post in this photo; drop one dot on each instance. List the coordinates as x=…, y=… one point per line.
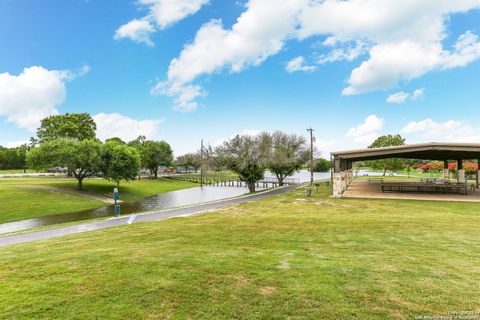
x=446, y=172
x=338, y=178
x=461, y=172
x=478, y=167
x=349, y=172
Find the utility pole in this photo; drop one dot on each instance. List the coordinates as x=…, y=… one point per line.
x=201, y=165
x=310, y=130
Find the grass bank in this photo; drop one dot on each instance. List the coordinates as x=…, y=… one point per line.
x=24, y=203
x=282, y=257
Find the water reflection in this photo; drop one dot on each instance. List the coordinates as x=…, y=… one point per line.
x=304, y=175
x=162, y=201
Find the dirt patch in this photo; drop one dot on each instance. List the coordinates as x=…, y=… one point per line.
x=267, y=291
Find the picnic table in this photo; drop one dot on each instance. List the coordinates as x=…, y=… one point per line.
x=425, y=187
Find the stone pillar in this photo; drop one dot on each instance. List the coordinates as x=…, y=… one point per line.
x=343, y=177
x=446, y=172
x=337, y=185
x=461, y=172
x=340, y=177
x=349, y=177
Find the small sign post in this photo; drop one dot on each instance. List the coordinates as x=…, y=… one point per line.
x=116, y=197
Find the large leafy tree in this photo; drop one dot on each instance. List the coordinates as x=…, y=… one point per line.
x=119, y=161
x=246, y=155
x=155, y=154
x=387, y=164
x=82, y=158
x=321, y=165
x=286, y=155
x=79, y=126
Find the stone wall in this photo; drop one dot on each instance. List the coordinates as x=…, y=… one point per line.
x=341, y=181
x=461, y=176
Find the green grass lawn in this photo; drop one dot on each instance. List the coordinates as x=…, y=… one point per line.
x=25, y=203
x=7, y=171
x=21, y=203
x=131, y=190
x=283, y=257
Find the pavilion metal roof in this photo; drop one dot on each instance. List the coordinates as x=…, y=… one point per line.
x=424, y=151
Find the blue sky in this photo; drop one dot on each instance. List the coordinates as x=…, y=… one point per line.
x=175, y=72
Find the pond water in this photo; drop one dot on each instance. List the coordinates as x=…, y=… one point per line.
x=304, y=175
x=166, y=200
x=361, y=173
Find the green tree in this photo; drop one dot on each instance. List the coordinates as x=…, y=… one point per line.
x=387, y=164
x=13, y=158
x=187, y=161
x=79, y=126
x=286, y=154
x=82, y=158
x=115, y=140
x=155, y=154
x=408, y=169
x=245, y=156
x=119, y=162
x=322, y=165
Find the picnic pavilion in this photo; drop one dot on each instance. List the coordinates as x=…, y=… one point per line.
x=344, y=184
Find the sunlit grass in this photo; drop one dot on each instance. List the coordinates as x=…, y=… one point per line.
x=282, y=257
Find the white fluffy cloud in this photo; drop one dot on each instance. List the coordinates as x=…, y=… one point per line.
x=418, y=94
x=117, y=125
x=298, y=64
x=349, y=52
x=34, y=94
x=137, y=30
x=398, y=98
x=404, y=40
x=448, y=131
x=367, y=131
x=402, y=97
x=258, y=33
x=161, y=14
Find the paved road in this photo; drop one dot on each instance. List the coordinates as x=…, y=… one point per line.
x=154, y=216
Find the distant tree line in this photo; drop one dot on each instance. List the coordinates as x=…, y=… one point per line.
x=69, y=141
x=13, y=158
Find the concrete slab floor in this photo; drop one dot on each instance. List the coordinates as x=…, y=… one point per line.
x=373, y=190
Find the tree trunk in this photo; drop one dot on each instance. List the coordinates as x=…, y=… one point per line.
x=80, y=184
x=280, y=179
x=384, y=172
x=251, y=186
x=155, y=172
